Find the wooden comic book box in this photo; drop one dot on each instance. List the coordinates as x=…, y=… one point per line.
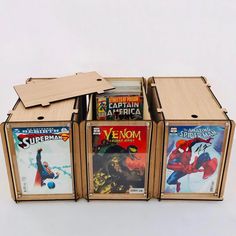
x=193, y=139
x=94, y=181
x=59, y=122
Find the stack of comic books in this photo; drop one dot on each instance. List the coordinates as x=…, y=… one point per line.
x=125, y=102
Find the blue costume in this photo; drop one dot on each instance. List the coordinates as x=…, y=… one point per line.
x=43, y=171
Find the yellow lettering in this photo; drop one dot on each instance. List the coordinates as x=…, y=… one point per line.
x=107, y=134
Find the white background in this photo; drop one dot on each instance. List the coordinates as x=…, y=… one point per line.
x=118, y=38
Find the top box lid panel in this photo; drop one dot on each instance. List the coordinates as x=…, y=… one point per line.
x=43, y=93
x=187, y=98
x=57, y=111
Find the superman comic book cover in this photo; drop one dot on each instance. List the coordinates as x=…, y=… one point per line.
x=119, y=159
x=194, y=157
x=43, y=159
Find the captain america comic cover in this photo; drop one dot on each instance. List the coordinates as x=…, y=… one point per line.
x=43, y=160
x=119, y=107
x=194, y=156
x=120, y=155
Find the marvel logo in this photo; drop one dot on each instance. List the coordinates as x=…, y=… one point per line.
x=96, y=131
x=173, y=130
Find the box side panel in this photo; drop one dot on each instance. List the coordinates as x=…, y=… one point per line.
x=152, y=160
x=77, y=160
x=146, y=113
x=7, y=161
x=158, y=159
x=155, y=106
x=83, y=143
x=227, y=159
x=145, y=84
x=149, y=91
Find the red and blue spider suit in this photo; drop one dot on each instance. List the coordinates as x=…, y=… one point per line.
x=179, y=161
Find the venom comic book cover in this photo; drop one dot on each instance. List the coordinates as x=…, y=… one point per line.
x=120, y=155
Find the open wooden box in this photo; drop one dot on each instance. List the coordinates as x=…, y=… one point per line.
x=100, y=158
x=42, y=150
x=193, y=141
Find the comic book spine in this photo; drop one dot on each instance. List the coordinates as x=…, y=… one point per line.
x=101, y=108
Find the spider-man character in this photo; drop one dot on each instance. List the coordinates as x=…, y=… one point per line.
x=179, y=161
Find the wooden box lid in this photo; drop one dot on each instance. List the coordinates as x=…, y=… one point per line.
x=57, y=111
x=187, y=98
x=43, y=93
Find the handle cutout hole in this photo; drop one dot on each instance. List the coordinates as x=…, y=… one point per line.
x=99, y=79
x=40, y=117
x=194, y=116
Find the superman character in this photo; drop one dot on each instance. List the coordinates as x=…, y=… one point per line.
x=179, y=161
x=44, y=172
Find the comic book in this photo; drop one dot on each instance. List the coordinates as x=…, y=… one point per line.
x=119, y=159
x=125, y=102
x=194, y=157
x=121, y=107
x=43, y=160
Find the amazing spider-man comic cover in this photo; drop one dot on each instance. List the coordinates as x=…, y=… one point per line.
x=194, y=157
